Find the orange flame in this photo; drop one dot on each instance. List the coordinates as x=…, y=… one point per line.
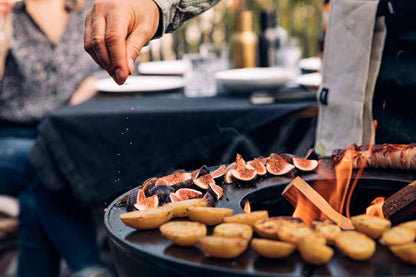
x=247, y=207
x=376, y=207
x=384, y=105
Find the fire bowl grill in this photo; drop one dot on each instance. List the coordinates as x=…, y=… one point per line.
x=147, y=253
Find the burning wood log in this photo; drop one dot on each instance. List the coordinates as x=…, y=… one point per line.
x=395, y=156
x=401, y=206
x=314, y=205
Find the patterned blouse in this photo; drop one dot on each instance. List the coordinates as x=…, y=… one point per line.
x=40, y=76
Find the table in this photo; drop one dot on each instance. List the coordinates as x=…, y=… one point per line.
x=108, y=145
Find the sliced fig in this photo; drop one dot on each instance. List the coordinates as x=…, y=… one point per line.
x=231, y=166
x=204, y=181
x=219, y=172
x=263, y=159
x=211, y=200
x=215, y=191
x=147, y=203
x=228, y=178
x=188, y=193
x=304, y=164
x=177, y=177
x=178, y=171
x=148, y=184
x=195, y=174
x=276, y=165
x=173, y=197
x=240, y=163
x=131, y=200
x=311, y=155
x=185, y=184
x=204, y=170
x=162, y=191
x=140, y=195
x=258, y=166
x=287, y=157
x=161, y=181
x=246, y=174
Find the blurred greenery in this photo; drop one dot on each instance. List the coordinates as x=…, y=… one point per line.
x=301, y=19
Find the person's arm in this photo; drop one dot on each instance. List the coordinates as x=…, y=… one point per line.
x=116, y=30
x=6, y=30
x=85, y=91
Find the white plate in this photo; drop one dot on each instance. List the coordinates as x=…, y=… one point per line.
x=178, y=67
x=311, y=81
x=141, y=84
x=312, y=64
x=251, y=79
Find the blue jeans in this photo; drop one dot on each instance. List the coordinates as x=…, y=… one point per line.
x=51, y=224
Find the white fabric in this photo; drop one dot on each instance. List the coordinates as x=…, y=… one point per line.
x=353, y=49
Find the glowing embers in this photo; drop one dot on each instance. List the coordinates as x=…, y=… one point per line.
x=376, y=207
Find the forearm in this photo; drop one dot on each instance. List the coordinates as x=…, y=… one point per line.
x=173, y=13
x=2, y=64
x=84, y=92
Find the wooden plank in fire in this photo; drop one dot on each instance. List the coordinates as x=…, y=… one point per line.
x=401, y=205
x=315, y=202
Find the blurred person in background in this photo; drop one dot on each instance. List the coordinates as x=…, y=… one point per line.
x=43, y=67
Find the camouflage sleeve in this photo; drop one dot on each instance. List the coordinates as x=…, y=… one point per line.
x=174, y=12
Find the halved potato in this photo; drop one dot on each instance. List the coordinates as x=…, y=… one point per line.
x=248, y=219
x=372, y=226
x=183, y=233
x=222, y=247
x=406, y=252
x=398, y=235
x=147, y=219
x=233, y=230
x=313, y=251
x=356, y=245
x=179, y=209
x=327, y=229
x=272, y=249
x=409, y=225
x=208, y=215
x=292, y=234
x=267, y=228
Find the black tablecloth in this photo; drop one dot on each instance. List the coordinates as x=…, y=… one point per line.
x=105, y=146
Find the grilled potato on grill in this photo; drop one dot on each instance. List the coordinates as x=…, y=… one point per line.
x=267, y=228
x=248, y=219
x=272, y=249
x=372, y=226
x=208, y=215
x=183, y=233
x=406, y=252
x=180, y=209
x=233, y=230
x=356, y=245
x=398, y=235
x=314, y=250
x=327, y=229
x=292, y=234
x=409, y=225
x=147, y=219
x=222, y=247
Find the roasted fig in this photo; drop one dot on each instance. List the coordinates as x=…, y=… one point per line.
x=185, y=184
x=276, y=165
x=204, y=170
x=195, y=174
x=304, y=164
x=258, y=166
x=210, y=199
x=131, y=200
x=162, y=191
x=287, y=157
x=185, y=194
x=161, y=181
x=178, y=177
x=204, y=181
x=311, y=155
x=228, y=178
x=245, y=174
x=215, y=191
x=240, y=163
x=147, y=203
x=231, y=166
x=219, y=173
x=146, y=186
x=173, y=197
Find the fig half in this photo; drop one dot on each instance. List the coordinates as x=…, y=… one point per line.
x=219, y=172
x=147, y=203
x=185, y=194
x=146, y=186
x=245, y=175
x=304, y=164
x=177, y=177
x=204, y=181
x=258, y=166
x=215, y=191
x=276, y=165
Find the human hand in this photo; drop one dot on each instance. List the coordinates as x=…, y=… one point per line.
x=116, y=31
x=6, y=27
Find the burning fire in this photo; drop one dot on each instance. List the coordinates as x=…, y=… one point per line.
x=376, y=207
x=247, y=207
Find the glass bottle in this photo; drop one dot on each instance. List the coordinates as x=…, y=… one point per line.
x=244, y=42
